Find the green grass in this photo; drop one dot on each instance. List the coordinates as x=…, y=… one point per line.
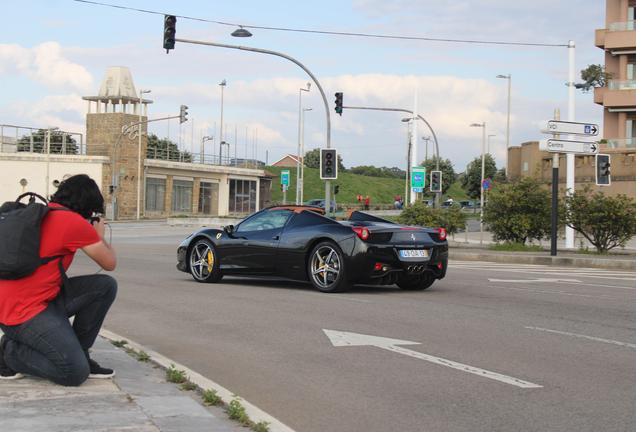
x=515, y=247
x=380, y=190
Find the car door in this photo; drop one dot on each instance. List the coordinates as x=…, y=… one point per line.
x=252, y=246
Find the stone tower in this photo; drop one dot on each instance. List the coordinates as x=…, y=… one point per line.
x=112, y=129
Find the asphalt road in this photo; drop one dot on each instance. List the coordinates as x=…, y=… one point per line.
x=491, y=347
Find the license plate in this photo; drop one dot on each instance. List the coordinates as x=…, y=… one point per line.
x=414, y=253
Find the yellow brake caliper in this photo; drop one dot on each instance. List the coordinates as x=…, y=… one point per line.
x=210, y=260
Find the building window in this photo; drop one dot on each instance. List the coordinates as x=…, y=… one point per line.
x=209, y=198
x=525, y=166
x=155, y=194
x=182, y=196
x=242, y=196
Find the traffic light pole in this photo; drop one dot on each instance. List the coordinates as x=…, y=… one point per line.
x=314, y=79
x=427, y=124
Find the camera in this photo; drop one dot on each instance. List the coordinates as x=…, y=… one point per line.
x=93, y=219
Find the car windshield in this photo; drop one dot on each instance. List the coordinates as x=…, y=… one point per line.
x=274, y=218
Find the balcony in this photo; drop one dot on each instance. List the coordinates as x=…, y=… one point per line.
x=619, y=38
x=621, y=143
x=617, y=94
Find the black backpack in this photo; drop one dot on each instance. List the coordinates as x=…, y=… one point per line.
x=20, y=238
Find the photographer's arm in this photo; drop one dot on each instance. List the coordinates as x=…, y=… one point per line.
x=101, y=252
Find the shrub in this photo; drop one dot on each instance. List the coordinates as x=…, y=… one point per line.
x=452, y=219
x=606, y=222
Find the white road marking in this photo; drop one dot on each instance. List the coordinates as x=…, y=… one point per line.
x=340, y=339
x=608, y=341
x=535, y=280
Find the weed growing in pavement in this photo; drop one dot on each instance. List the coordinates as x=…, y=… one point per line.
x=188, y=386
x=142, y=356
x=236, y=411
x=210, y=398
x=515, y=247
x=175, y=376
x=260, y=427
x=120, y=343
x=130, y=352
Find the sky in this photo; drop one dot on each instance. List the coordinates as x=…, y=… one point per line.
x=381, y=54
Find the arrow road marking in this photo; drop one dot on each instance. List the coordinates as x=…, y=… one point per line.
x=340, y=339
x=535, y=280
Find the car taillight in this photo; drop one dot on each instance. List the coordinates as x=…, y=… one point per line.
x=362, y=232
x=441, y=232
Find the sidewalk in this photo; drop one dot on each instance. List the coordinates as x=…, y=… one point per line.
x=137, y=399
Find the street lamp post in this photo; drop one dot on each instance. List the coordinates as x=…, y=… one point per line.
x=408, y=121
x=507, y=119
x=481, y=188
x=300, y=93
x=427, y=139
x=48, y=156
x=141, y=93
x=203, y=140
x=223, y=84
x=302, y=167
x=490, y=135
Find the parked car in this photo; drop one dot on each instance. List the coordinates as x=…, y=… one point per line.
x=429, y=203
x=449, y=204
x=301, y=243
x=467, y=204
x=321, y=204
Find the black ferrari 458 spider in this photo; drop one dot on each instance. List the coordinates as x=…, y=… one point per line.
x=300, y=243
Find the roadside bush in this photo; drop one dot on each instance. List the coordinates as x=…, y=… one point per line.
x=604, y=221
x=452, y=220
x=519, y=211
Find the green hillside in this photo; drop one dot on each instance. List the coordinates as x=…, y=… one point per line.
x=380, y=190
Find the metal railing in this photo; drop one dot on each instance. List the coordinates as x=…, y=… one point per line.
x=15, y=139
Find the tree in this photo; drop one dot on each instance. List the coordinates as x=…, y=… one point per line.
x=519, y=211
x=604, y=221
x=60, y=142
x=595, y=76
x=471, y=181
x=312, y=160
x=449, y=177
x=371, y=171
x=166, y=149
x=452, y=220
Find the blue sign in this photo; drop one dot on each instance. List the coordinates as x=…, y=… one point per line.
x=486, y=184
x=416, y=189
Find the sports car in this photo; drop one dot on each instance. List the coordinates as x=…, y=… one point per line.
x=301, y=243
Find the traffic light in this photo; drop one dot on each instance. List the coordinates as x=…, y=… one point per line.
x=328, y=164
x=169, y=30
x=338, y=107
x=436, y=181
x=183, y=114
x=335, y=190
x=603, y=170
x=111, y=189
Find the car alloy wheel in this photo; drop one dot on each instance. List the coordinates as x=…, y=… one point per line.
x=204, y=263
x=326, y=268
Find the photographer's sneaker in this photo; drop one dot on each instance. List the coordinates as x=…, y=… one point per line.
x=6, y=373
x=98, y=372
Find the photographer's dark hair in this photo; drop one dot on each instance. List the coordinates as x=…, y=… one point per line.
x=80, y=194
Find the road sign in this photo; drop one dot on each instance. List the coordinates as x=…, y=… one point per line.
x=486, y=184
x=564, y=146
x=418, y=174
x=284, y=178
x=563, y=127
x=417, y=189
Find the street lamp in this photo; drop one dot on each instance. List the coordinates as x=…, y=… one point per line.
x=302, y=167
x=508, y=119
x=490, y=135
x=48, y=155
x=223, y=84
x=241, y=32
x=481, y=187
x=408, y=121
x=141, y=93
x=203, y=140
x=427, y=139
x=300, y=93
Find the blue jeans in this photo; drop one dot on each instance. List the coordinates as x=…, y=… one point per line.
x=48, y=346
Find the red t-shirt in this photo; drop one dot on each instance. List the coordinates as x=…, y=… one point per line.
x=62, y=233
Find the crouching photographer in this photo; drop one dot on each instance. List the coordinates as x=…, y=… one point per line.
x=38, y=337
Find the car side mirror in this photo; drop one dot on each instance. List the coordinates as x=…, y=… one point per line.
x=229, y=229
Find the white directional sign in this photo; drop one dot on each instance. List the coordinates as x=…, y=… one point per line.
x=563, y=146
x=346, y=339
x=563, y=127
